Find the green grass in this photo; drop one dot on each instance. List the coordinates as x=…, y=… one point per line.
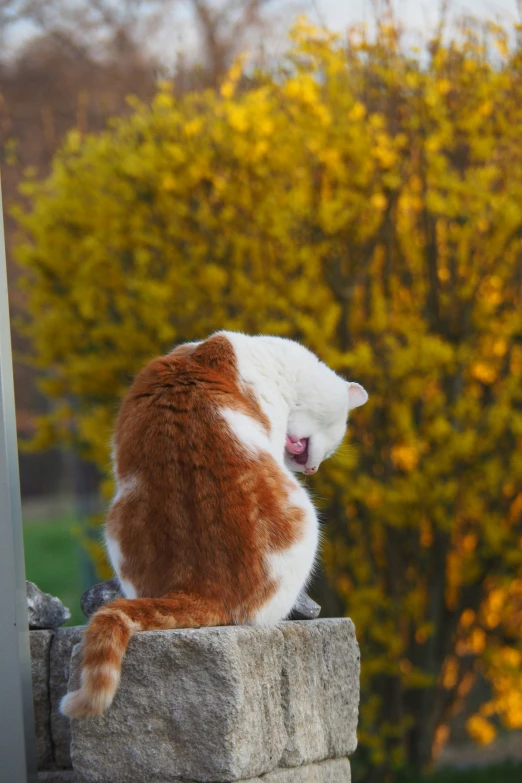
x=54, y=561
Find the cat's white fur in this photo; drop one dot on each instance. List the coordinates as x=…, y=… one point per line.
x=123, y=488
x=304, y=398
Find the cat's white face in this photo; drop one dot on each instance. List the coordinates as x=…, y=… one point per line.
x=314, y=435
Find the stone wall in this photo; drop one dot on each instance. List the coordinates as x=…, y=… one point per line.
x=210, y=705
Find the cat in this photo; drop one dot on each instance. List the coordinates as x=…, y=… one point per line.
x=209, y=525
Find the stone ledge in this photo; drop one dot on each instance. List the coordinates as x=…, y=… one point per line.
x=267, y=704
x=40, y=663
x=333, y=771
x=320, y=690
x=226, y=704
x=60, y=665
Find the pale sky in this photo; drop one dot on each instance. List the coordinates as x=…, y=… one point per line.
x=419, y=16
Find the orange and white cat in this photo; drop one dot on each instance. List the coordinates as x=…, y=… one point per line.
x=209, y=525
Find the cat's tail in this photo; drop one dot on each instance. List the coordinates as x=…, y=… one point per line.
x=109, y=633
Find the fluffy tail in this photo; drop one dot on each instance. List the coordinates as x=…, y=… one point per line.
x=107, y=638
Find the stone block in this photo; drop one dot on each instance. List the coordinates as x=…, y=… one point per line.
x=99, y=595
x=40, y=654
x=202, y=705
x=320, y=690
x=60, y=663
x=305, y=608
x=44, y=610
x=227, y=704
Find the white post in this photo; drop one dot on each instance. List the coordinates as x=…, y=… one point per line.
x=17, y=737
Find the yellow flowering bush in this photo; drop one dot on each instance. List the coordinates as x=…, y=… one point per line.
x=367, y=201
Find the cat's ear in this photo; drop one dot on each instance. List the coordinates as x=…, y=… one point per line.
x=357, y=396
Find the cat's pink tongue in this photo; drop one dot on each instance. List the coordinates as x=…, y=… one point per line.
x=295, y=445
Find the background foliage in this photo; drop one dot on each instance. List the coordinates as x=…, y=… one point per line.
x=367, y=200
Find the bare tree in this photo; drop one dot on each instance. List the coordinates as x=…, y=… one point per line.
x=226, y=27
x=81, y=61
x=90, y=20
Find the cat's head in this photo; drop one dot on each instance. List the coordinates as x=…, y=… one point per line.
x=316, y=429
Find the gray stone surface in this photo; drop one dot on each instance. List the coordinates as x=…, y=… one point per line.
x=320, y=690
x=44, y=610
x=56, y=776
x=332, y=771
x=305, y=608
x=60, y=659
x=40, y=653
x=99, y=595
x=222, y=704
x=203, y=705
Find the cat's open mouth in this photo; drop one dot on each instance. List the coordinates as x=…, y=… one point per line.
x=297, y=448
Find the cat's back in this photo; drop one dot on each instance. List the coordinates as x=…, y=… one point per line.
x=173, y=406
